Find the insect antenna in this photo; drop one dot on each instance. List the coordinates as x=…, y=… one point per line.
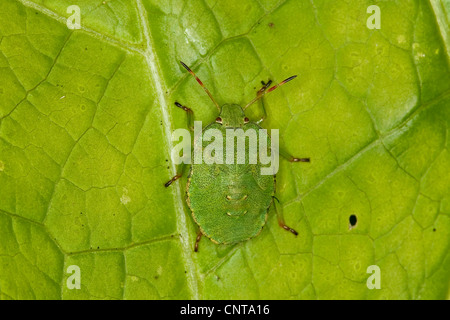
x=200, y=83
x=261, y=94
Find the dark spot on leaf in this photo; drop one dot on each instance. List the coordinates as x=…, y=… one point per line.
x=271, y=24
x=434, y=229
x=156, y=277
x=353, y=220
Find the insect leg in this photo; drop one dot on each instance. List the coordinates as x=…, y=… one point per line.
x=190, y=115
x=201, y=84
x=291, y=158
x=197, y=240
x=260, y=92
x=177, y=176
x=281, y=219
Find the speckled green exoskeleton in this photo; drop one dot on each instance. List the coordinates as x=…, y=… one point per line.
x=230, y=202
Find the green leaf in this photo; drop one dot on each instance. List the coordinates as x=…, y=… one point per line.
x=86, y=118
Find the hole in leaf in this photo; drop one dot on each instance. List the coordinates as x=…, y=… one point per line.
x=352, y=220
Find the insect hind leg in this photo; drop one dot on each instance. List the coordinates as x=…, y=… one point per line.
x=280, y=218
x=197, y=240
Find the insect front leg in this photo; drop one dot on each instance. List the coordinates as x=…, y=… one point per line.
x=177, y=176
x=291, y=158
x=259, y=93
x=190, y=115
x=281, y=219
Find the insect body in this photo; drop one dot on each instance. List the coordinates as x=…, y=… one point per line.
x=230, y=202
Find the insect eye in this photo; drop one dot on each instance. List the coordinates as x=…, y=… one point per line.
x=219, y=120
x=246, y=120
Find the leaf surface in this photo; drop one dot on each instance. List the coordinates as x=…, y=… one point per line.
x=86, y=118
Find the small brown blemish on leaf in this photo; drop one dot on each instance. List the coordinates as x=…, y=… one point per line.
x=271, y=24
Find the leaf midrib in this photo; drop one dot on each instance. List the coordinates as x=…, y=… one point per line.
x=159, y=86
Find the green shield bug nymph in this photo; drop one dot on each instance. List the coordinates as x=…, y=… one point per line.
x=230, y=202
